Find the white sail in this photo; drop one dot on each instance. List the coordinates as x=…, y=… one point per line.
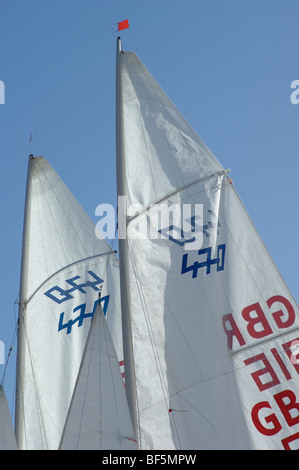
x=64, y=265
x=7, y=435
x=212, y=327
x=99, y=416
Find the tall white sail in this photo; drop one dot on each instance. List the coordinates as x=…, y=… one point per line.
x=214, y=327
x=7, y=435
x=64, y=265
x=99, y=416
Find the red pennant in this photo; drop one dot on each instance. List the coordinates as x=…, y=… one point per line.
x=123, y=25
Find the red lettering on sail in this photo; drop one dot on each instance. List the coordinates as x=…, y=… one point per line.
x=289, y=408
x=286, y=400
x=232, y=331
x=287, y=440
x=281, y=364
x=279, y=315
x=257, y=324
x=271, y=367
x=270, y=419
x=268, y=369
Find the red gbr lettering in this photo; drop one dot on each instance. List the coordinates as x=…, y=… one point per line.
x=231, y=329
x=271, y=419
x=268, y=369
x=287, y=440
x=269, y=424
x=257, y=324
x=286, y=401
x=265, y=376
x=278, y=316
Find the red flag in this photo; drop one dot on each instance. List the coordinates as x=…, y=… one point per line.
x=123, y=25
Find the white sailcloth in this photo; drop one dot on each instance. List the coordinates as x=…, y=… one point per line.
x=64, y=265
x=213, y=327
x=99, y=416
x=7, y=435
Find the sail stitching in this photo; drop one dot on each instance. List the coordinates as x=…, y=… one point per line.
x=154, y=86
x=176, y=191
x=147, y=150
x=64, y=188
x=66, y=267
x=47, y=202
x=153, y=111
x=266, y=340
x=181, y=133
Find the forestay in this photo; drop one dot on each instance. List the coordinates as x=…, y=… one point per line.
x=213, y=327
x=64, y=266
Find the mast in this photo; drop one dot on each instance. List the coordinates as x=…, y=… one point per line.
x=19, y=414
x=123, y=248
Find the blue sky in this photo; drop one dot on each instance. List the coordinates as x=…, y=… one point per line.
x=226, y=64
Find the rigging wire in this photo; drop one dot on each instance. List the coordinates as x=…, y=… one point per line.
x=12, y=342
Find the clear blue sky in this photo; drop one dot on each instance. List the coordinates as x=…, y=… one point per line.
x=226, y=64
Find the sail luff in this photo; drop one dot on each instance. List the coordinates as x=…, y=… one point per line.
x=22, y=308
x=123, y=247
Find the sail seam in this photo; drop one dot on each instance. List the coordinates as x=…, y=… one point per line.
x=176, y=191
x=65, y=267
x=153, y=85
x=258, y=343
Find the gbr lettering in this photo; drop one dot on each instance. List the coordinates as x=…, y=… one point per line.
x=256, y=321
x=269, y=368
x=270, y=424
